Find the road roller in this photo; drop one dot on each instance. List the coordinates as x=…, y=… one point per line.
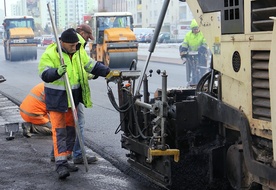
x=115, y=42
x=19, y=42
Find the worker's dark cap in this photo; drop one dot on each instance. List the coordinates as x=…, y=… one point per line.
x=86, y=28
x=69, y=36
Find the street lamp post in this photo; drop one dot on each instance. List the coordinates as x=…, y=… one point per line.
x=5, y=7
x=55, y=5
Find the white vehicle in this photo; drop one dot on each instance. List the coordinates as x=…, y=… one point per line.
x=138, y=31
x=141, y=32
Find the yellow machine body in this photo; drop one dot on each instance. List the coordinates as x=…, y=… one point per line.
x=243, y=41
x=224, y=126
x=19, y=43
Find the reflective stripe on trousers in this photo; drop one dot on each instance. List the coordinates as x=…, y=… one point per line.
x=34, y=118
x=63, y=133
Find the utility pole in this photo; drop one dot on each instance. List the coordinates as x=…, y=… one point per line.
x=55, y=5
x=5, y=8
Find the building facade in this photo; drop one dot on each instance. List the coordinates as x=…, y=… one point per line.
x=146, y=14
x=70, y=13
x=66, y=13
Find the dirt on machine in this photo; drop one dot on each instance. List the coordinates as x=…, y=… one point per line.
x=19, y=42
x=115, y=43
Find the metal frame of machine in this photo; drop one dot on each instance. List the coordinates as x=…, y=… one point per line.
x=219, y=135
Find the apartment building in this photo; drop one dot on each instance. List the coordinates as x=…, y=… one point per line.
x=69, y=13
x=66, y=13
x=146, y=14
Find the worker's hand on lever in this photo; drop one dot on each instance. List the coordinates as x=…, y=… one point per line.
x=62, y=69
x=111, y=74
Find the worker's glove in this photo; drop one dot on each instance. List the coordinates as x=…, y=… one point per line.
x=111, y=74
x=183, y=51
x=62, y=69
x=91, y=76
x=183, y=54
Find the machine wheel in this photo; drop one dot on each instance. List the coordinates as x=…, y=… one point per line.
x=13, y=57
x=35, y=56
x=6, y=53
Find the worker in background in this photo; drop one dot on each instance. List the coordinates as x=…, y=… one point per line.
x=76, y=63
x=193, y=41
x=118, y=22
x=84, y=32
x=33, y=111
x=103, y=23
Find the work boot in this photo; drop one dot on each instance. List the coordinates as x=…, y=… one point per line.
x=52, y=158
x=27, y=129
x=63, y=172
x=72, y=168
x=90, y=160
x=69, y=157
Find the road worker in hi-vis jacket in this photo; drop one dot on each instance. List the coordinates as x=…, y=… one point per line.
x=77, y=64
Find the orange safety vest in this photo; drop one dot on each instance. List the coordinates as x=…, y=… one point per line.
x=33, y=107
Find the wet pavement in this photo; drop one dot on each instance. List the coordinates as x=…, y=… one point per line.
x=25, y=162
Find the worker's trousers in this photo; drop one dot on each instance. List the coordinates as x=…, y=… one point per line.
x=63, y=134
x=37, y=119
x=77, y=152
x=45, y=129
